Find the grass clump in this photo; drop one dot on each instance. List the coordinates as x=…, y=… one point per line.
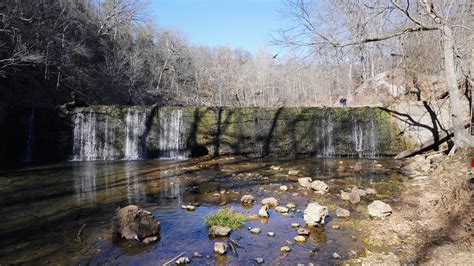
x=226, y=217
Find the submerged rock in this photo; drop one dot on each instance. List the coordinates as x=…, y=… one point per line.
x=319, y=187
x=283, y=188
x=336, y=256
x=131, y=222
x=259, y=260
x=218, y=230
x=270, y=234
x=247, y=199
x=379, y=209
x=220, y=248
x=315, y=214
x=285, y=249
x=341, y=212
x=263, y=212
x=305, y=181
x=295, y=225
x=270, y=201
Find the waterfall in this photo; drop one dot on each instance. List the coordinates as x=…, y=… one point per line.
x=372, y=138
x=364, y=138
x=134, y=134
x=358, y=136
x=172, y=143
x=29, y=139
x=324, y=136
x=91, y=143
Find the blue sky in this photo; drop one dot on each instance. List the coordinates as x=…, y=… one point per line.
x=245, y=24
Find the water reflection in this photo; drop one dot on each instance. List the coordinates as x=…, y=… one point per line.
x=136, y=188
x=85, y=183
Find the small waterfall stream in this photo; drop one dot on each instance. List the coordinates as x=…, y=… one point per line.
x=324, y=138
x=29, y=139
x=364, y=138
x=172, y=143
x=134, y=134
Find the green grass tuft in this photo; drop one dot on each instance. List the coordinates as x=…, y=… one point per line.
x=226, y=217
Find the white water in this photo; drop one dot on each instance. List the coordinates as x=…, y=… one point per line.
x=364, y=138
x=172, y=143
x=134, y=134
x=89, y=142
x=29, y=140
x=324, y=139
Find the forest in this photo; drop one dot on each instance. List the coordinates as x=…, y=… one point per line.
x=125, y=141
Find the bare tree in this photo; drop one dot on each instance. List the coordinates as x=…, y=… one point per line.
x=323, y=26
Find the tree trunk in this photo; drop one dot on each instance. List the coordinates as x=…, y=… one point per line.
x=461, y=138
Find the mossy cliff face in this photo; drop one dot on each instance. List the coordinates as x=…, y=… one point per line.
x=193, y=131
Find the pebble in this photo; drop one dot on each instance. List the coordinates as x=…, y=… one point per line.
x=197, y=255
x=285, y=249
x=255, y=230
x=270, y=234
x=182, y=260
x=259, y=260
x=149, y=240
x=303, y=232
x=335, y=256
x=283, y=188
x=300, y=238
x=336, y=226
x=295, y=225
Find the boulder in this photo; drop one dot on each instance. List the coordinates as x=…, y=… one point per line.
x=247, y=199
x=319, y=186
x=220, y=248
x=281, y=209
x=305, y=181
x=315, y=214
x=340, y=212
x=217, y=230
x=263, y=212
x=131, y=222
x=270, y=201
x=379, y=209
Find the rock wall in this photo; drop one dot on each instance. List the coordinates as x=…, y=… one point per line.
x=116, y=132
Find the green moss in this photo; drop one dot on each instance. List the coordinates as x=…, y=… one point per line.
x=226, y=217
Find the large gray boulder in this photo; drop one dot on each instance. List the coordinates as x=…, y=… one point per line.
x=379, y=209
x=131, y=222
x=315, y=214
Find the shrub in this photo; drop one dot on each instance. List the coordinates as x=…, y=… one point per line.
x=226, y=217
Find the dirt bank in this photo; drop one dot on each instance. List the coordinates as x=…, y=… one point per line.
x=433, y=218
